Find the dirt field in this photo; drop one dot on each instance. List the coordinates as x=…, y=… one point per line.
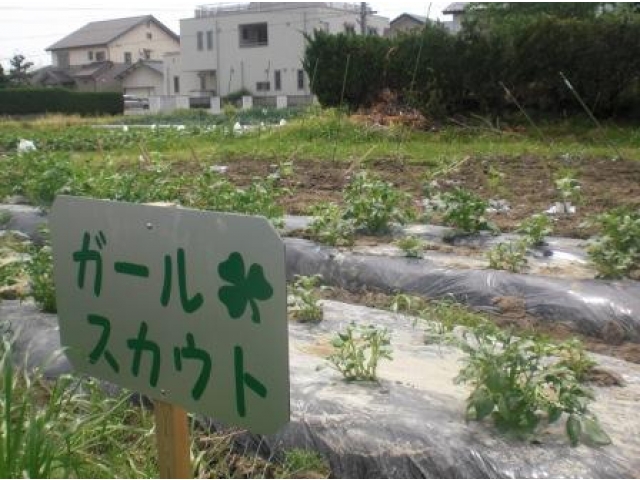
x=527, y=183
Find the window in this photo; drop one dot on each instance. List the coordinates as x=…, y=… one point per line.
x=372, y=31
x=127, y=57
x=90, y=55
x=100, y=56
x=209, y=39
x=176, y=84
x=349, y=28
x=254, y=35
x=203, y=81
x=146, y=53
x=62, y=59
x=277, y=80
x=263, y=86
x=149, y=35
x=200, y=36
x=300, y=79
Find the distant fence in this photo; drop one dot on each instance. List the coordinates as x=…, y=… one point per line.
x=169, y=103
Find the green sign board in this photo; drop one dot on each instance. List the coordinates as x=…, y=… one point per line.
x=188, y=307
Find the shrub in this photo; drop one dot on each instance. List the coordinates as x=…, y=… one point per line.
x=535, y=229
x=519, y=382
x=465, y=211
x=615, y=252
x=329, y=225
x=303, y=301
x=373, y=204
x=510, y=256
x=358, y=351
x=26, y=101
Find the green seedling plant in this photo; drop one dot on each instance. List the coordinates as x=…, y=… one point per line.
x=375, y=205
x=615, y=252
x=330, y=227
x=464, y=211
x=520, y=383
x=413, y=247
x=359, y=349
x=442, y=316
x=535, y=229
x=40, y=270
x=569, y=190
x=511, y=256
x=303, y=299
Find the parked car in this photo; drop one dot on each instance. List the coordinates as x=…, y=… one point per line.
x=131, y=101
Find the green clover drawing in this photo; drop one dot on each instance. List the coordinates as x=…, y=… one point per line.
x=243, y=289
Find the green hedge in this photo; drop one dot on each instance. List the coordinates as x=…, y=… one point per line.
x=25, y=101
x=463, y=73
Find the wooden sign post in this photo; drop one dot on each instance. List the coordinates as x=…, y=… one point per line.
x=172, y=437
x=185, y=306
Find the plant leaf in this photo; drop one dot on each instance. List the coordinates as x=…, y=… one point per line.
x=574, y=429
x=594, y=432
x=554, y=414
x=483, y=404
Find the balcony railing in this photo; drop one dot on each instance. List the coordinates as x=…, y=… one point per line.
x=211, y=10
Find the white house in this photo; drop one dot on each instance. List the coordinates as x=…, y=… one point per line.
x=258, y=46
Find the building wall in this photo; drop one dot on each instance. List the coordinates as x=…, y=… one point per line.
x=79, y=56
x=143, y=82
x=136, y=40
x=172, y=67
x=239, y=67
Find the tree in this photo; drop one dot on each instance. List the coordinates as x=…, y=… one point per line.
x=19, y=71
x=3, y=78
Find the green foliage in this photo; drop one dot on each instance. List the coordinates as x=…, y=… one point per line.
x=25, y=101
x=67, y=428
x=330, y=227
x=443, y=315
x=374, y=204
x=40, y=271
x=518, y=382
x=524, y=47
x=569, y=189
x=303, y=300
x=358, y=351
x=233, y=98
x=464, y=210
x=511, y=256
x=413, y=247
x=535, y=229
x=615, y=252
x=325, y=63
x=300, y=463
x=19, y=72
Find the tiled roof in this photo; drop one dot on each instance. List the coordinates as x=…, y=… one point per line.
x=104, y=32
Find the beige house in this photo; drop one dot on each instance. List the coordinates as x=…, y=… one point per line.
x=122, y=40
x=111, y=55
x=258, y=46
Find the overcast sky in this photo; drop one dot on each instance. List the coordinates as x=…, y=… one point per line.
x=27, y=27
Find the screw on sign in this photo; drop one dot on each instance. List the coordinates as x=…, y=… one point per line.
x=185, y=306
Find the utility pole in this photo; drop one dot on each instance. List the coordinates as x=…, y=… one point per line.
x=363, y=18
